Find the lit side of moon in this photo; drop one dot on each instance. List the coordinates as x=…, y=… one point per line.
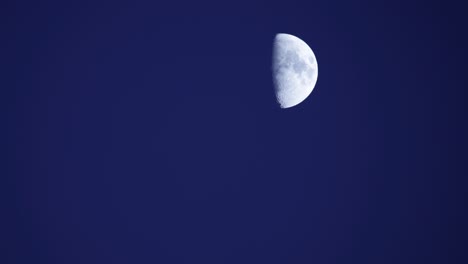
x=294, y=69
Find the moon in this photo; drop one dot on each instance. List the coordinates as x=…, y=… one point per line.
x=294, y=68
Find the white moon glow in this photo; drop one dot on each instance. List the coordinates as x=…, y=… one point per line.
x=294, y=68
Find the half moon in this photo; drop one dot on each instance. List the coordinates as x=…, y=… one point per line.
x=295, y=70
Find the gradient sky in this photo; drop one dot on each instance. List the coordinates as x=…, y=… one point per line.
x=144, y=132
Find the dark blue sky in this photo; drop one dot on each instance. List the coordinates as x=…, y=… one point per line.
x=145, y=132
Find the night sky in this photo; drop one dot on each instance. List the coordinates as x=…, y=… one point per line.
x=148, y=132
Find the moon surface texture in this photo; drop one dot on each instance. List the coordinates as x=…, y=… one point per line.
x=294, y=69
